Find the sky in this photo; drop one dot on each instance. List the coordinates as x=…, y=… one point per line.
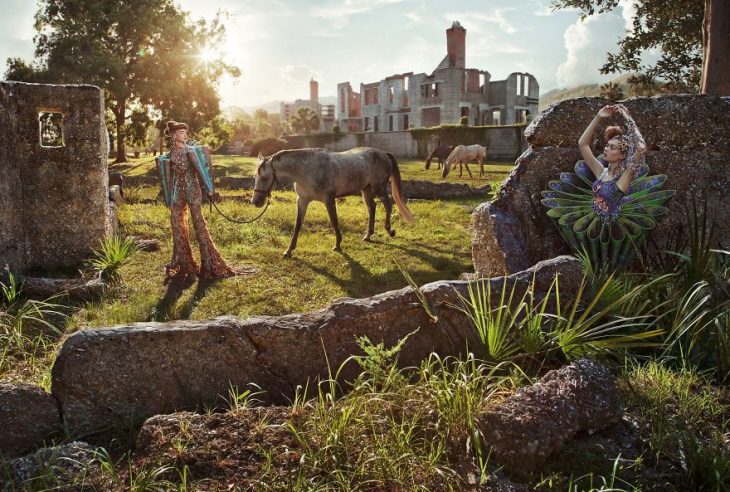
x=280, y=44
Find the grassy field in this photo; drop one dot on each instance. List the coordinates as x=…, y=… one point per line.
x=237, y=166
x=437, y=246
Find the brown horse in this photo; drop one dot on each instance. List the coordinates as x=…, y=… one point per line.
x=441, y=153
x=323, y=176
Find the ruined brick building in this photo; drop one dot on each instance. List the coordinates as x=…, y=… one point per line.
x=410, y=100
x=326, y=112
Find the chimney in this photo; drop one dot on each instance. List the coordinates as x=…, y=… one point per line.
x=456, y=45
x=313, y=90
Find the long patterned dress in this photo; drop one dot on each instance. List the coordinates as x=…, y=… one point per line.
x=187, y=192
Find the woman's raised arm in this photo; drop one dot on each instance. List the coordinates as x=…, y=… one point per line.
x=585, y=140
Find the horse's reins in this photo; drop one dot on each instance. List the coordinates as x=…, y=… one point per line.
x=255, y=190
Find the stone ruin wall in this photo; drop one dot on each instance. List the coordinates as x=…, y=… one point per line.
x=687, y=137
x=54, y=205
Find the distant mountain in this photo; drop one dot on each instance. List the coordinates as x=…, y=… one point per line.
x=585, y=90
x=232, y=112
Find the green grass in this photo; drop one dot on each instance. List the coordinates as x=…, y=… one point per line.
x=237, y=166
x=437, y=247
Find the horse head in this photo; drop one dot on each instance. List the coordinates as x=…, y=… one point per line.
x=264, y=182
x=454, y=156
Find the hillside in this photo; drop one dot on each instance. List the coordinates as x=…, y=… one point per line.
x=585, y=90
x=272, y=107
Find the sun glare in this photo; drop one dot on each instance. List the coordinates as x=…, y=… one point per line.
x=208, y=55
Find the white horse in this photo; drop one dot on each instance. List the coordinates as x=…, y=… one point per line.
x=463, y=154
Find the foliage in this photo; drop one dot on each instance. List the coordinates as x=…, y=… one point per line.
x=523, y=330
x=674, y=28
x=26, y=327
x=216, y=135
x=612, y=91
x=143, y=54
x=137, y=129
x=113, y=253
x=305, y=120
x=682, y=419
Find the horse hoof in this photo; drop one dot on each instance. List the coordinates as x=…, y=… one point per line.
x=366, y=238
x=287, y=254
x=391, y=233
x=337, y=248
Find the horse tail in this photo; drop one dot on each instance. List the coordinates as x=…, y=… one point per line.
x=396, y=189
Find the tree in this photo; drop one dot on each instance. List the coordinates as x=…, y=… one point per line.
x=137, y=129
x=142, y=53
x=612, y=91
x=672, y=26
x=716, y=41
x=216, y=135
x=304, y=120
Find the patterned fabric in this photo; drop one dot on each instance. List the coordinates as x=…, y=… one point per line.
x=186, y=189
x=607, y=197
x=598, y=220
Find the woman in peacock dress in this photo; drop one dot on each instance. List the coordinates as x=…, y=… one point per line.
x=184, y=191
x=607, y=207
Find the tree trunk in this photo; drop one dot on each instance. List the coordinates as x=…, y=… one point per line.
x=119, y=113
x=716, y=44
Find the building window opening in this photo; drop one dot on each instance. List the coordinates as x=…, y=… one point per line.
x=367, y=124
x=391, y=94
x=434, y=90
x=51, y=126
x=482, y=83
x=464, y=111
x=405, y=122
x=342, y=101
x=496, y=118
x=375, y=123
x=424, y=91
x=390, y=123
x=519, y=85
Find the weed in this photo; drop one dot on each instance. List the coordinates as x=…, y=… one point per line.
x=113, y=253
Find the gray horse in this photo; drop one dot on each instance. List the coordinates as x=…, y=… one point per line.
x=323, y=176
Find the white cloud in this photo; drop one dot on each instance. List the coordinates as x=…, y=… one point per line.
x=587, y=43
x=339, y=13
x=296, y=75
x=628, y=11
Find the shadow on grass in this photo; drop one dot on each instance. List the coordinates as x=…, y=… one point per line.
x=441, y=264
x=175, y=289
x=360, y=282
x=204, y=285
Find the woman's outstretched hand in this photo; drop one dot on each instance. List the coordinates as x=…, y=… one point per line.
x=606, y=111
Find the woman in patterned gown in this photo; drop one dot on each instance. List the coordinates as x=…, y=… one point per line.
x=606, y=209
x=187, y=193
